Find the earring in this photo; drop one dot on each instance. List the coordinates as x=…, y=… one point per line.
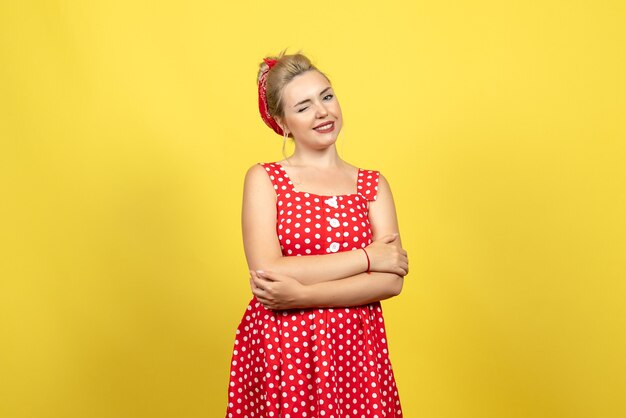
x=284, y=141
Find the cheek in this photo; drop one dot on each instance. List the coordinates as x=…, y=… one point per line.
x=301, y=122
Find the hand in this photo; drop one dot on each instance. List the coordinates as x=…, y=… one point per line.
x=386, y=256
x=277, y=291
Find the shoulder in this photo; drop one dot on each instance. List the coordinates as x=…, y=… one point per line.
x=383, y=205
x=258, y=168
x=384, y=189
x=259, y=175
x=261, y=169
x=375, y=176
x=382, y=210
x=368, y=183
x=382, y=180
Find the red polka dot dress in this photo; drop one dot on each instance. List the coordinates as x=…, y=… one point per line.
x=314, y=363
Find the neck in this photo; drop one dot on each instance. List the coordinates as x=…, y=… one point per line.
x=322, y=159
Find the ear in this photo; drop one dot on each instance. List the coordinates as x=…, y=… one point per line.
x=283, y=126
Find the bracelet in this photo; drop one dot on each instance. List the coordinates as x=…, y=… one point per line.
x=368, y=261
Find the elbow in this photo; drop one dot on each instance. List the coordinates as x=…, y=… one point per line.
x=270, y=264
x=396, y=285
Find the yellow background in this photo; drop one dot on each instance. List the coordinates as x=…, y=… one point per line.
x=127, y=126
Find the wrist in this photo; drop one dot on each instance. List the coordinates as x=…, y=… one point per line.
x=307, y=297
x=368, y=268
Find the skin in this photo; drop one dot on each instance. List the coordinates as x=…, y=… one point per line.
x=329, y=280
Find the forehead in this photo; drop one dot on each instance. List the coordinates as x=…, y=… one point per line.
x=304, y=86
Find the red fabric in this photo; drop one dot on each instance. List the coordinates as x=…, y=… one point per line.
x=314, y=363
x=265, y=114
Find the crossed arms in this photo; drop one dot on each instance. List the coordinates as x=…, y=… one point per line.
x=329, y=280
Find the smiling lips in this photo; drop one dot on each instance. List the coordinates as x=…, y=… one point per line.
x=325, y=127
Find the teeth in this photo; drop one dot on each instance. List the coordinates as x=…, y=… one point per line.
x=324, y=126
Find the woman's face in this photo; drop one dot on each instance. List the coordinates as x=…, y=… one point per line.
x=312, y=112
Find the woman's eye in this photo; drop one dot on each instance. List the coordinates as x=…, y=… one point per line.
x=300, y=110
x=328, y=95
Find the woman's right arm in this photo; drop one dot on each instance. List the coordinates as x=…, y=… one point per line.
x=263, y=250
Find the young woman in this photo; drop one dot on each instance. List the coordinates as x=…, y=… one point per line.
x=322, y=244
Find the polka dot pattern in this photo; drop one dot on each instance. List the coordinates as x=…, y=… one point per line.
x=314, y=363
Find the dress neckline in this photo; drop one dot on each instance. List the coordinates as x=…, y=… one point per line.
x=293, y=188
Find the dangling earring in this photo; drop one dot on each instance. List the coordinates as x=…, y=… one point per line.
x=285, y=134
x=341, y=143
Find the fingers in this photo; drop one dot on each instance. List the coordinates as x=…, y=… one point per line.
x=400, y=264
x=263, y=297
x=405, y=265
x=272, y=276
x=268, y=275
x=268, y=303
x=265, y=302
x=401, y=271
x=258, y=282
x=261, y=283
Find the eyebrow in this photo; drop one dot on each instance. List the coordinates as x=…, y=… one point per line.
x=308, y=100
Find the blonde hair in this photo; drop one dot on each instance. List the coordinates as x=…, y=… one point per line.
x=285, y=70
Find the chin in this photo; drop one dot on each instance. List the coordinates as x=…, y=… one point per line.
x=331, y=136
x=330, y=139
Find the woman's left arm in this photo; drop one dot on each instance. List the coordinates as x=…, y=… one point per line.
x=281, y=292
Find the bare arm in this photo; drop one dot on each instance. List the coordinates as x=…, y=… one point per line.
x=277, y=291
x=364, y=288
x=353, y=291
x=262, y=247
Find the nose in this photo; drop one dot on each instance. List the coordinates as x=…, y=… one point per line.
x=321, y=111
